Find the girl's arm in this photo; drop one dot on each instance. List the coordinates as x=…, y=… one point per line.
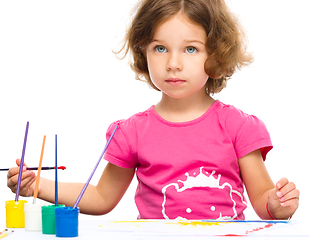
x=97, y=200
x=282, y=199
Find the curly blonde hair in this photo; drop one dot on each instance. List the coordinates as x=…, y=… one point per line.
x=225, y=39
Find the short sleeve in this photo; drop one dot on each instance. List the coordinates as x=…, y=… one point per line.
x=247, y=132
x=119, y=151
x=252, y=135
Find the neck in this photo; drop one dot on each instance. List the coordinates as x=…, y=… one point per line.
x=183, y=109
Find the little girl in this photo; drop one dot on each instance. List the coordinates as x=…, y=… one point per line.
x=192, y=154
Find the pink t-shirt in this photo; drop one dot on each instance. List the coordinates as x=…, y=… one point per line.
x=188, y=170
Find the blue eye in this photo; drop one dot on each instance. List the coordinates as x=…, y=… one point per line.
x=191, y=50
x=160, y=49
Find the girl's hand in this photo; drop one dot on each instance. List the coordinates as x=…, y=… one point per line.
x=283, y=200
x=27, y=182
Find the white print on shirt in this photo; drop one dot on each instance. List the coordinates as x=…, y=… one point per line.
x=197, y=183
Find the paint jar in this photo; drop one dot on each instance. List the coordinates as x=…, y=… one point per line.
x=48, y=219
x=15, y=214
x=33, y=217
x=66, y=222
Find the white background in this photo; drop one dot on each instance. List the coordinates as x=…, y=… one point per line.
x=57, y=70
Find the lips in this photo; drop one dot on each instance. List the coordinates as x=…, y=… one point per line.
x=175, y=81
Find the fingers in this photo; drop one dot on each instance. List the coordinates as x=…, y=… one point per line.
x=13, y=179
x=287, y=192
x=15, y=170
x=282, y=182
x=26, y=185
x=283, y=200
x=27, y=179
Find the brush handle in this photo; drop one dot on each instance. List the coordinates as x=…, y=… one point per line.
x=36, y=168
x=56, y=173
x=21, y=164
x=36, y=189
x=91, y=175
x=6, y=234
x=43, y=168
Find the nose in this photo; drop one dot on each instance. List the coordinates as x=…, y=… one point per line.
x=174, y=62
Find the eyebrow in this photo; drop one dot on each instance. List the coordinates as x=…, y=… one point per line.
x=186, y=41
x=196, y=41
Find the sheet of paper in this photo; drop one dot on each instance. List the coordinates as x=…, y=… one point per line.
x=197, y=228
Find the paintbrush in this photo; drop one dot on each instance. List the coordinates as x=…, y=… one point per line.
x=21, y=164
x=36, y=189
x=36, y=168
x=91, y=175
x=6, y=234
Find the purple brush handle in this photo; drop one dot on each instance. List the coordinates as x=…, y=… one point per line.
x=56, y=173
x=21, y=164
x=91, y=175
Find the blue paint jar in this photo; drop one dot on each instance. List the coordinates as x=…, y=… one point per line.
x=66, y=219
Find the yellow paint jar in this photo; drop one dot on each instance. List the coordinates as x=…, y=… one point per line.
x=15, y=214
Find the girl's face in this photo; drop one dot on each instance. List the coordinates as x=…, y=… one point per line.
x=176, y=58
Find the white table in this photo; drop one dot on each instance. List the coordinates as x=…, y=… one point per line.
x=158, y=230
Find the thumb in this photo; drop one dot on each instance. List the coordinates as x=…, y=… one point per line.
x=273, y=199
x=18, y=161
x=272, y=195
